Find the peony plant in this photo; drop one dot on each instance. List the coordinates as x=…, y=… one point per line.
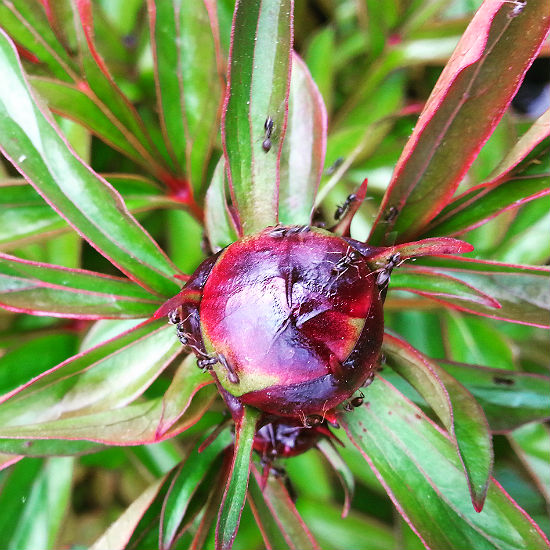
x=334, y=287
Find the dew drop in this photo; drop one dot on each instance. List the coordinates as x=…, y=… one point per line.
x=22, y=158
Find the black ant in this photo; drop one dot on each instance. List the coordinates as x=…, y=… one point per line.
x=355, y=402
x=391, y=214
x=342, y=209
x=268, y=127
x=206, y=363
x=334, y=166
x=286, y=231
x=384, y=274
x=519, y=6
x=350, y=259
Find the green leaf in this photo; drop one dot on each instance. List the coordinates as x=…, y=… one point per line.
x=189, y=475
x=187, y=380
x=342, y=471
x=26, y=22
x=525, y=240
x=120, y=532
x=279, y=514
x=532, y=445
x=84, y=199
x=476, y=341
x=530, y=144
x=102, y=85
x=44, y=289
x=522, y=291
x=357, y=531
x=466, y=105
x=422, y=473
x=25, y=217
x=269, y=525
x=103, y=378
x=134, y=424
x=80, y=104
x=235, y=490
x=220, y=226
x=188, y=82
x=319, y=59
x=259, y=72
x=30, y=357
x=456, y=408
x=508, y=398
x=34, y=501
x=304, y=147
x=435, y=285
x=481, y=203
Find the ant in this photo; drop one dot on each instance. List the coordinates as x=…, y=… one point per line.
x=350, y=259
x=286, y=231
x=384, y=274
x=206, y=363
x=391, y=214
x=268, y=127
x=355, y=402
x=342, y=209
x=334, y=166
x=519, y=6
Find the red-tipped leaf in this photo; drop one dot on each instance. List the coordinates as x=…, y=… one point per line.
x=461, y=113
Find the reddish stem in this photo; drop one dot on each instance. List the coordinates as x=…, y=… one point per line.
x=181, y=191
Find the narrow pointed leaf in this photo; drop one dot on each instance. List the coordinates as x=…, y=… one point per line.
x=342, y=471
x=80, y=104
x=419, y=467
x=189, y=475
x=466, y=104
x=187, y=380
x=357, y=531
x=105, y=377
x=264, y=516
x=522, y=291
x=237, y=483
x=456, y=408
x=44, y=289
x=134, y=424
x=211, y=508
x=258, y=83
x=188, y=81
x=426, y=247
x=25, y=217
x=529, y=144
x=220, y=226
x=25, y=21
x=102, y=85
x=34, y=502
x=522, y=176
x=532, y=445
x=508, y=398
x=84, y=199
x=304, y=147
x=286, y=520
x=445, y=288
x=120, y=532
x=29, y=357
x=484, y=202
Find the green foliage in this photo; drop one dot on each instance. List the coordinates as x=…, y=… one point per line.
x=129, y=128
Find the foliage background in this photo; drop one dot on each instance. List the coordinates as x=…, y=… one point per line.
x=374, y=86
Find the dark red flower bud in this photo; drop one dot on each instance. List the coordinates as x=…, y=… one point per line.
x=289, y=320
x=283, y=438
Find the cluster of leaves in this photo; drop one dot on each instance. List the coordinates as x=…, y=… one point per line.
x=91, y=382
